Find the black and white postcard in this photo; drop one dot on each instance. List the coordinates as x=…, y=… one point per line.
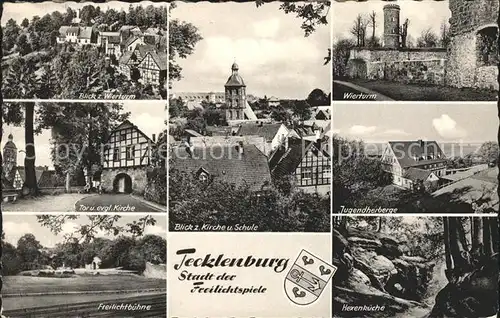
x=419, y=267
x=415, y=50
x=249, y=117
x=84, y=265
x=86, y=157
x=418, y=157
x=67, y=50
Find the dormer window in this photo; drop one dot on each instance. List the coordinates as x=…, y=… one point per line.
x=203, y=175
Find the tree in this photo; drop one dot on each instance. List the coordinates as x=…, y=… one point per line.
x=11, y=33
x=445, y=35
x=183, y=38
x=25, y=23
x=79, y=133
x=176, y=107
x=22, y=45
x=301, y=109
x=217, y=202
x=21, y=82
x=354, y=174
x=282, y=113
x=489, y=151
x=403, y=30
x=317, y=98
x=28, y=248
x=373, y=23
x=340, y=57
x=358, y=29
x=428, y=39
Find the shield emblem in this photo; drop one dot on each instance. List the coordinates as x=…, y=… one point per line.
x=307, y=278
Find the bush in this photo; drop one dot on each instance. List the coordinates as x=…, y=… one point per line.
x=156, y=188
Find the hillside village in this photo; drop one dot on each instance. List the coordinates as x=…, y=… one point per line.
x=98, y=54
x=250, y=142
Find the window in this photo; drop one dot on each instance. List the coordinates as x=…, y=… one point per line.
x=123, y=135
x=306, y=173
x=327, y=171
x=116, y=154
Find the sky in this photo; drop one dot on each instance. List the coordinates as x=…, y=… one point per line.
x=443, y=122
x=15, y=226
x=149, y=116
x=19, y=11
x=274, y=57
x=436, y=12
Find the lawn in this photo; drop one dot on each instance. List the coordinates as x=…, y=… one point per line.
x=415, y=92
x=26, y=284
x=45, y=203
x=13, y=303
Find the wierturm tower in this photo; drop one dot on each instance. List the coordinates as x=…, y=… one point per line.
x=236, y=99
x=391, y=26
x=9, y=156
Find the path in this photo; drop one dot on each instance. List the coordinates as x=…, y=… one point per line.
x=115, y=203
x=47, y=203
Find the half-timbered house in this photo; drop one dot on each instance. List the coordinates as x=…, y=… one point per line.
x=127, y=153
x=308, y=162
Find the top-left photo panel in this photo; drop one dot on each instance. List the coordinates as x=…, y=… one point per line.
x=85, y=51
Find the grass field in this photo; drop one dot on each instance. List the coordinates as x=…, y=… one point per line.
x=12, y=303
x=414, y=92
x=26, y=284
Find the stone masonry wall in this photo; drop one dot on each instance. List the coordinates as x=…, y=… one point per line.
x=467, y=18
x=422, y=66
x=138, y=176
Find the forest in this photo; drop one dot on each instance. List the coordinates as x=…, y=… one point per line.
x=430, y=267
x=36, y=66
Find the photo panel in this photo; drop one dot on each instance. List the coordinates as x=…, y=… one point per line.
x=264, y=275
x=415, y=158
x=415, y=50
x=84, y=157
x=67, y=50
x=250, y=117
x=84, y=265
x=415, y=266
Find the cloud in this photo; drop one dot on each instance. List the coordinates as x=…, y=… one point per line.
x=267, y=28
x=14, y=231
x=155, y=230
x=362, y=130
x=447, y=127
x=393, y=132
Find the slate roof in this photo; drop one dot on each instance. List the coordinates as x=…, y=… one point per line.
x=406, y=151
x=235, y=80
x=63, y=30
x=226, y=164
x=160, y=58
x=130, y=40
x=73, y=30
x=125, y=58
x=416, y=174
x=268, y=131
x=144, y=49
x=219, y=130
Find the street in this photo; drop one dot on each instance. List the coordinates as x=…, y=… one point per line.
x=113, y=203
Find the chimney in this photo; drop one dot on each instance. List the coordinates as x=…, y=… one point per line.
x=154, y=137
x=421, y=143
x=261, y=124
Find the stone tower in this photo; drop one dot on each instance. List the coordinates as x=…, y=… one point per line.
x=391, y=26
x=473, y=49
x=236, y=98
x=9, y=157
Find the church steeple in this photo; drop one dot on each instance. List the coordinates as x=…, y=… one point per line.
x=236, y=99
x=9, y=156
